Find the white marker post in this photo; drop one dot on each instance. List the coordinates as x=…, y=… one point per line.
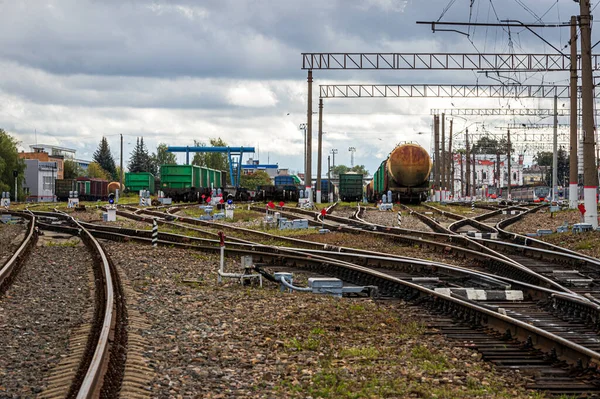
x=154, y=233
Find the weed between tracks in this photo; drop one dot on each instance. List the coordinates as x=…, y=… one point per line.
x=343, y=360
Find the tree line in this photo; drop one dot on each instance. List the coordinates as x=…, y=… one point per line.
x=140, y=160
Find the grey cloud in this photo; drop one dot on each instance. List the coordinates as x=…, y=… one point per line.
x=258, y=40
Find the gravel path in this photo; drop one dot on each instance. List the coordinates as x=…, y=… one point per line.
x=11, y=236
x=232, y=341
x=44, y=304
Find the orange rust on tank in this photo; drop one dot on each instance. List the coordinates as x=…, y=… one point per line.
x=409, y=165
x=113, y=186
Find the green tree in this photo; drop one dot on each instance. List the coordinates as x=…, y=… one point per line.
x=94, y=170
x=360, y=169
x=72, y=170
x=252, y=180
x=213, y=160
x=545, y=158
x=104, y=158
x=10, y=162
x=162, y=157
x=487, y=145
x=339, y=169
x=140, y=160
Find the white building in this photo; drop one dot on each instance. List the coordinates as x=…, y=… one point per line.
x=39, y=180
x=67, y=153
x=485, y=172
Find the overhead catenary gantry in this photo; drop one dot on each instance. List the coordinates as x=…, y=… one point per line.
x=439, y=90
x=441, y=61
x=500, y=111
x=474, y=61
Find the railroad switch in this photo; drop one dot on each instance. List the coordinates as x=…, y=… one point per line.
x=323, y=285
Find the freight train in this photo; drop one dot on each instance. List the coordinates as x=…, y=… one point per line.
x=405, y=173
x=88, y=189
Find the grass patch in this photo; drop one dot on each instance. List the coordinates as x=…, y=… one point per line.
x=412, y=329
x=585, y=244
x=308, y=344
x=68, y=243
x=430, y=362
x=369, y=352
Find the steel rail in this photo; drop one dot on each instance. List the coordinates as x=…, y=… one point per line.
x=567, y=350
x=364, y=256
x=92, y=382
x=523, y=273
x=95, y=371
x=534, y=242
x=334, y=252
x=11, y=266
x=475, y=252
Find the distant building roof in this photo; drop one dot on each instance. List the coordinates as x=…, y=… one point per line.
x=42, y=146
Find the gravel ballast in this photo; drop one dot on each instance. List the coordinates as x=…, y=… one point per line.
x=223, y=341
x=11, y=236
x=44, y=305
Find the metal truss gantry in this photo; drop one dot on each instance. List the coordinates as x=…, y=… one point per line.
x=530, y=126
x=499, y=112
x=442, y=61
x=436, y=90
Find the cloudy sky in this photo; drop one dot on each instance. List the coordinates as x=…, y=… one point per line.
x=184, y=70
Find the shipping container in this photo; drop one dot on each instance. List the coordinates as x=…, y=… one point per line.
x=134, y=182
x=351, y=186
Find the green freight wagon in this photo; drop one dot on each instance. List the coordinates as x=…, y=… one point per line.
x=179, y=176
x=134, y=182
x=351, y=186
x=205, y=178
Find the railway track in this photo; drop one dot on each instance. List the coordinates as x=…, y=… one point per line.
x=10, y=269
x=94, y=367
x=508, y=340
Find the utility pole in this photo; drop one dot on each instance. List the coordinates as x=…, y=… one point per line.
x=121, y=173
x=474, y=186
x=555, y=151
x=443, y=159
x=329, y=184
x=436, y=166
x=573, y=167
x=590, y=173
x=498, y=172
x=16, y=175
x=307, y=173
x=320, y=151
x=450, y=172
x=333, y=152
x=508, y=164
x=467, y=180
